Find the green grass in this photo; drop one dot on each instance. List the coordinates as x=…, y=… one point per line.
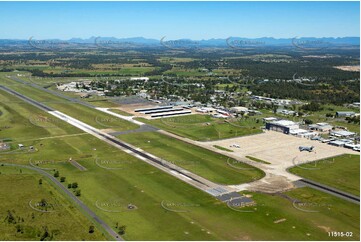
x=120, y=112
x=21, y=121
x=341, y=172
x=204, y=127
x=222, y=148
x=146, y=187
x=330, y=213
x=203, y=162
x=85, y=114
x=257, y=160
x=63, y=221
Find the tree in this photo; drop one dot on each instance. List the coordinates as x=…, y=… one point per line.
x=308, y=121
x=43, y=202
x=45, y=234
x=40, y=181
x=329, y=115
x=313, y=107
x=74, y=185
x=69, y=185
x=121, y=230
x=62, y=179
x=77, y=193
x=91, y=229
x=56, y=174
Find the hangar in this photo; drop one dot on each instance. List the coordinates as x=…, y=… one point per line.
x=283, y=126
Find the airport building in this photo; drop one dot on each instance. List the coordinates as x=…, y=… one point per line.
x=344, y=114
x=322, y=127
x=284, y=126
x=342, y=134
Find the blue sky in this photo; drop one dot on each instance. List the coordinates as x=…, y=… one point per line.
x=195, y=20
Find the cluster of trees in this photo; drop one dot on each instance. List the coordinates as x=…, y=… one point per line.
x=312, y=107
x=354, y=119
x=337, y=95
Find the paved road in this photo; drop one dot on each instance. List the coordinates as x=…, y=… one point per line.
x=85, y=208
x=142, y=128
x=327, y=189
x=74, y=100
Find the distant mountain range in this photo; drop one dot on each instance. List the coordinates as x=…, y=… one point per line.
x=231, y=41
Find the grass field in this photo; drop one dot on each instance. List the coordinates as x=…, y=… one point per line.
x=203, y=162
x=146, y=187
x=120, y=112
x=63, y=221
x=222, y=148
x=21, y=121
x=257, y=160
x=205, y=218
x=88, y=115
x=114, y=179
x=341, y=172
x=205, y=128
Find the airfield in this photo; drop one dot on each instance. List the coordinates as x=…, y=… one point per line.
x=278, y=149
x=195, y=213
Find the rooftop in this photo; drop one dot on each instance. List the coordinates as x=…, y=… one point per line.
x=343, y=133
x=284, y=122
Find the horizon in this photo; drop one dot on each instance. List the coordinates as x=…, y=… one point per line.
x=220, y=38
x=178, y=20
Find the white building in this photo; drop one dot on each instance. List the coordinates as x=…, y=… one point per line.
x=139, y=78
x=239, y=110
x=284, y=126
x=342, y=133
x=322, y=127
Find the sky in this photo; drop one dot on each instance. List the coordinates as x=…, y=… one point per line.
x=175, y=20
